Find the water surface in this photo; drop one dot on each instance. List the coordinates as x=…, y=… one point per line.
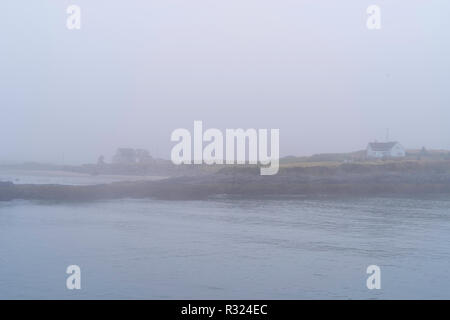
x=226, y=248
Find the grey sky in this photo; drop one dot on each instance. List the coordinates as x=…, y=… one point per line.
x=137, y=70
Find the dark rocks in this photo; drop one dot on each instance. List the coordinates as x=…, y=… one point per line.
x=367, y=180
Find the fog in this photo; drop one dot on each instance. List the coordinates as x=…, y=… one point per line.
x=137, y=70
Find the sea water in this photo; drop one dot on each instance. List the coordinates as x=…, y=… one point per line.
x=226, y=248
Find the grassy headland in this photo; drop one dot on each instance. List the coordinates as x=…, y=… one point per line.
x=301, y=178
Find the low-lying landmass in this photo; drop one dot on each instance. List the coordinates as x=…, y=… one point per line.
x=378, y=178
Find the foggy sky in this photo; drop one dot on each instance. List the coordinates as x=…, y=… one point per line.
x=139, y=69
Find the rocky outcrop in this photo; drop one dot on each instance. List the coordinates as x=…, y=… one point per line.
x=345, y=180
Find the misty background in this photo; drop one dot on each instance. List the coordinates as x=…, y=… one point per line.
x=137, y=70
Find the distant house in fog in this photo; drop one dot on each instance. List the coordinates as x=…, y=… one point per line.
x=131, y=156
x=385, y=150
x=124, y=156
x=143, y=156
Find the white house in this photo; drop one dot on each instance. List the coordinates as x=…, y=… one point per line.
x=385, y=150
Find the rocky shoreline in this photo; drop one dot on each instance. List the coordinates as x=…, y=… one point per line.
x=408, y=179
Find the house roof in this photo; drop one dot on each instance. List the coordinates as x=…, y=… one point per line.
x=382, y=146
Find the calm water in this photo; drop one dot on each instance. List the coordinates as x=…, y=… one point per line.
x=18, y=176
x=224, y=248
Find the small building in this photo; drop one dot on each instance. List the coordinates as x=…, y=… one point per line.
x=132, y=156
x=385, y=150
x=124, y=156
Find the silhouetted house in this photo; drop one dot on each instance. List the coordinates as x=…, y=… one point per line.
x=142, y=156
x=131, y=156
x=124, y=156
x=385, y=150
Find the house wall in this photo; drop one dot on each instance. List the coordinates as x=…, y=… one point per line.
x=375, y=154
x=396, y=152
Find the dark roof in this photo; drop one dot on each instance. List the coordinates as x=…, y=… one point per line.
x=382, y=146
